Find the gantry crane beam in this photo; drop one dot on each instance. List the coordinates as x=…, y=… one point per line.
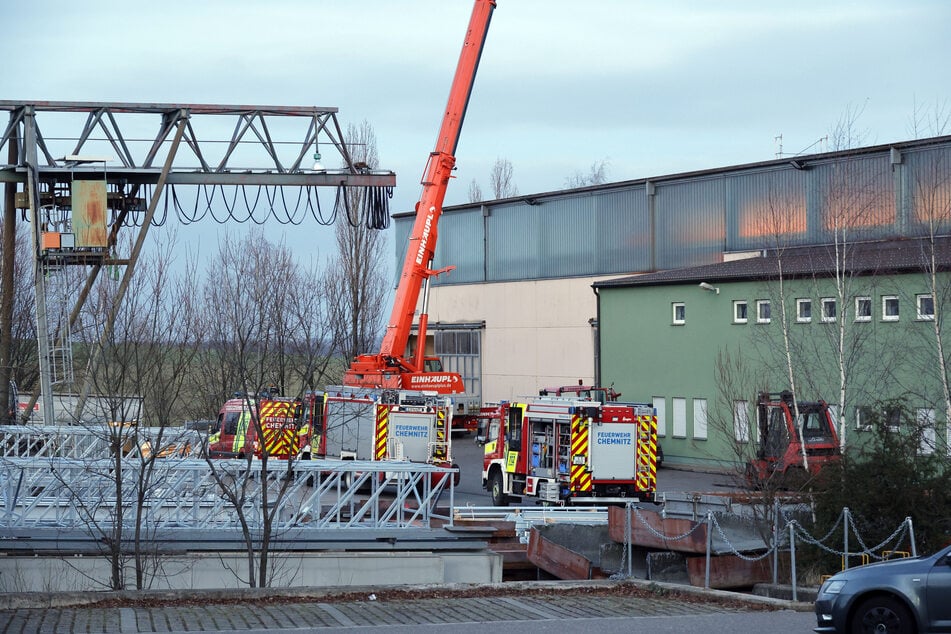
x=132, y=146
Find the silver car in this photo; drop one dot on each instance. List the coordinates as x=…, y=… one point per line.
x=901, y=595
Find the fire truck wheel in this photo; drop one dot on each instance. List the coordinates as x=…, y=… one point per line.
x=457, y=476
x=495, y=488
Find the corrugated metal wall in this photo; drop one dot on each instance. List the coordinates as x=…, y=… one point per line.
x=691, y=221
x=856, y=197
x=766, y=206
x=571, y=236
x=926, y=191
x=461, y=243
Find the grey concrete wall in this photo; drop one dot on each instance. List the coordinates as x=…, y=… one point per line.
x=230, y=570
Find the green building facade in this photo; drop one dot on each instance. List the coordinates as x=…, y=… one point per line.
x=701, y=343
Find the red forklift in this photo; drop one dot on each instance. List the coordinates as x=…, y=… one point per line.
x=779, y=457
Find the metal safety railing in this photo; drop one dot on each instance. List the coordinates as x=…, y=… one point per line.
x=525, y=518
x=94, y=441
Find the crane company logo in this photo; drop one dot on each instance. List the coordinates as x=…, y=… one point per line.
x=424, y=239
x=431, y=379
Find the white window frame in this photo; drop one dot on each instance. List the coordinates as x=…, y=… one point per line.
x=823, y=303
x=678, y=321
x=736, y=315
x=862, y=414
x=760, y=304
x=858, y=315
x=741, y=421
x=660, y=406
x=679, y=406
x=887, y=416
x=885, y=315
x=803, y=301
x=700, y=419
x=921, y=315
x=925, y=418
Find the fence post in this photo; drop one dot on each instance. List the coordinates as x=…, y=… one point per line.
x=911, y=534
x=627, y=540
x=792, y=557
x=775, y=541
x=706, y=580
x=845, y=538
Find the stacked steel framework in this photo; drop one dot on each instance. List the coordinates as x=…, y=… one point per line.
x=61, y=489
x=81, y=495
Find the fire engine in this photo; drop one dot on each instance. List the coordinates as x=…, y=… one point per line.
x=594, y=393
x=779, y=457
x=569, y=451
x=393, y=367
x=365, y=424
x=250, y=425
x=342, y=422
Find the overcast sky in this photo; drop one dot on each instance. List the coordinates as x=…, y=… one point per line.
x=652, y=88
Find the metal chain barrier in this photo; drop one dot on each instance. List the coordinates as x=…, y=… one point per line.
x=835, y=526
x=626, y=553
x=897, y=536
x=733, y=549
x=657, y=533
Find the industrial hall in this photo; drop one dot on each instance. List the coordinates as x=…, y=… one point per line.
x=658, y=286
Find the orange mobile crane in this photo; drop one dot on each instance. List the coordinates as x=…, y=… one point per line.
x=393, y=367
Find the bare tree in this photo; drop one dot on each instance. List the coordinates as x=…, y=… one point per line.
x=597, y=175
x=264, y=311
x=931, y=207
x=785, y=212
x=164, y=319
x=145, y=360
x=475, y=192
x=851, y=201
x=931, y=120
x=18, y=351
x=355, y=279
x=501, y=179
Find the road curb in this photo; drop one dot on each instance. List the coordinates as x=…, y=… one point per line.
x=45, y=600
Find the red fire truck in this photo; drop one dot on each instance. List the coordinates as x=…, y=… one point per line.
x=569, y=451
x=364, y=424
x=250, y=425
x=342, y=422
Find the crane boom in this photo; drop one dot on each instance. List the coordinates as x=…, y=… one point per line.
x=389, y=367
